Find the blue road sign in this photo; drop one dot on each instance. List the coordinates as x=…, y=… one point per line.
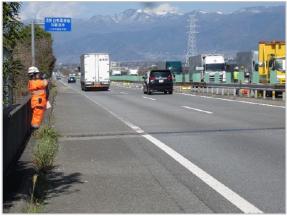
x=58, y=24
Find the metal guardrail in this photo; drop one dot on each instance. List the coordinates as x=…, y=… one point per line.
x=248, y=90
x=241, y=86
x=16, y=130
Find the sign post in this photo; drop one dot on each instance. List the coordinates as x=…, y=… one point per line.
x=55, y=24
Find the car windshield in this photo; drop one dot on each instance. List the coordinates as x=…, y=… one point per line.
x=162, y=74
x=280, y=64
x=214, y=67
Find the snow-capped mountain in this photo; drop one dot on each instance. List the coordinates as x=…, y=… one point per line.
x=138, y=34
x=135, y=16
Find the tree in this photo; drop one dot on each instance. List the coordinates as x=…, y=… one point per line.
x=11, y=25
x=17, y=53
x=44, y=58
x=11, y=29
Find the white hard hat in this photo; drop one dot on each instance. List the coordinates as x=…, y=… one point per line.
x=33, y=70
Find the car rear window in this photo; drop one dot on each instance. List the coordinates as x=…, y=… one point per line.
x=160, y=73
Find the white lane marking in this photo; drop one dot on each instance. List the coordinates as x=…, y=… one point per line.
x=149, y=98
x=191, y=95
x=238, y=101
x=220, y=188
x=227, y=193
x=199, y=110
x=123, y=93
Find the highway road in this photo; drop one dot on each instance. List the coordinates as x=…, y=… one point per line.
x=197, y=154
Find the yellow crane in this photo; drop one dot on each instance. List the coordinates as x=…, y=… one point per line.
x=271, y=62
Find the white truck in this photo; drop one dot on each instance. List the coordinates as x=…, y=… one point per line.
x=206, y=67
x=95, y=71
x=133, y=72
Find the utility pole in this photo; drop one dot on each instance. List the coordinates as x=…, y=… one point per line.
x=33, y=42
x=33, y=39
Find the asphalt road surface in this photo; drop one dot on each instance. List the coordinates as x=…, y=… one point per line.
x=175, y=153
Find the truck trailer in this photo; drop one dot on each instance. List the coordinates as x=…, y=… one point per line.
x=247, y=63
x=95, y=71
x=207, y=68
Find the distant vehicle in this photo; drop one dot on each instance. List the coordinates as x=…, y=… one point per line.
x=71, y=79
x=174, y=66
x=205, y=68
x=95, y=68
x=248, y=61
x=133, y=72
x=58, y=76
x=116, y=73
x=272, y=62
x=158, y=80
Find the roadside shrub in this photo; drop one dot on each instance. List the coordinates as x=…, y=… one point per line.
x=47, y=131
x=46, y=149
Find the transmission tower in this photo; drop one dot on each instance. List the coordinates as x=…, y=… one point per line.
x=191, y=38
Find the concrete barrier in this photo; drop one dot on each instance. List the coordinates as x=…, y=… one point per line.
x=16, y=130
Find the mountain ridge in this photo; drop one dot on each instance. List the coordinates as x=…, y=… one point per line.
x=137, y=35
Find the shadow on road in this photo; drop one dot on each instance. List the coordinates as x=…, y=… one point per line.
x=18, y=186
x=59, y=183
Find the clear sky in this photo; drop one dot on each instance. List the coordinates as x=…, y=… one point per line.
x=81, y=9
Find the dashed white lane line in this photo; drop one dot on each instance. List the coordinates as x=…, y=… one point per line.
x=149, y=98
x=199, y=110
x=230, y=100
x=123, y=93
x=223, y=190
x=191, y=95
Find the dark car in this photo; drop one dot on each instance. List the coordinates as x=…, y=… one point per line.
x=71, y=79
x=158, y=81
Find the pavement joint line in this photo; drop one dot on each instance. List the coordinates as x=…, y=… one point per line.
x=219, y=187
x=199, y=110
x=74, y=138
x=149, y=98
x=230, y=100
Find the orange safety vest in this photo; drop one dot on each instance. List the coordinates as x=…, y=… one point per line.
x=38, y=91
x=38, y=100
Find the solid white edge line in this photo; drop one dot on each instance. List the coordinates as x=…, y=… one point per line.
x=223, y=190
x=220, y=188
x=199, y=110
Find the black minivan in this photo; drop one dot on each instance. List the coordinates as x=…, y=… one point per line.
x=158, y=80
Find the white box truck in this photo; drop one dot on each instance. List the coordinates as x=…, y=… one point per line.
x=205, y=67
x=95, y=71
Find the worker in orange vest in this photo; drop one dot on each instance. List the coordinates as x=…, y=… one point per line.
x=37, y=87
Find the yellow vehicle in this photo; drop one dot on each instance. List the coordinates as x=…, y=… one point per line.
x=271, y=62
